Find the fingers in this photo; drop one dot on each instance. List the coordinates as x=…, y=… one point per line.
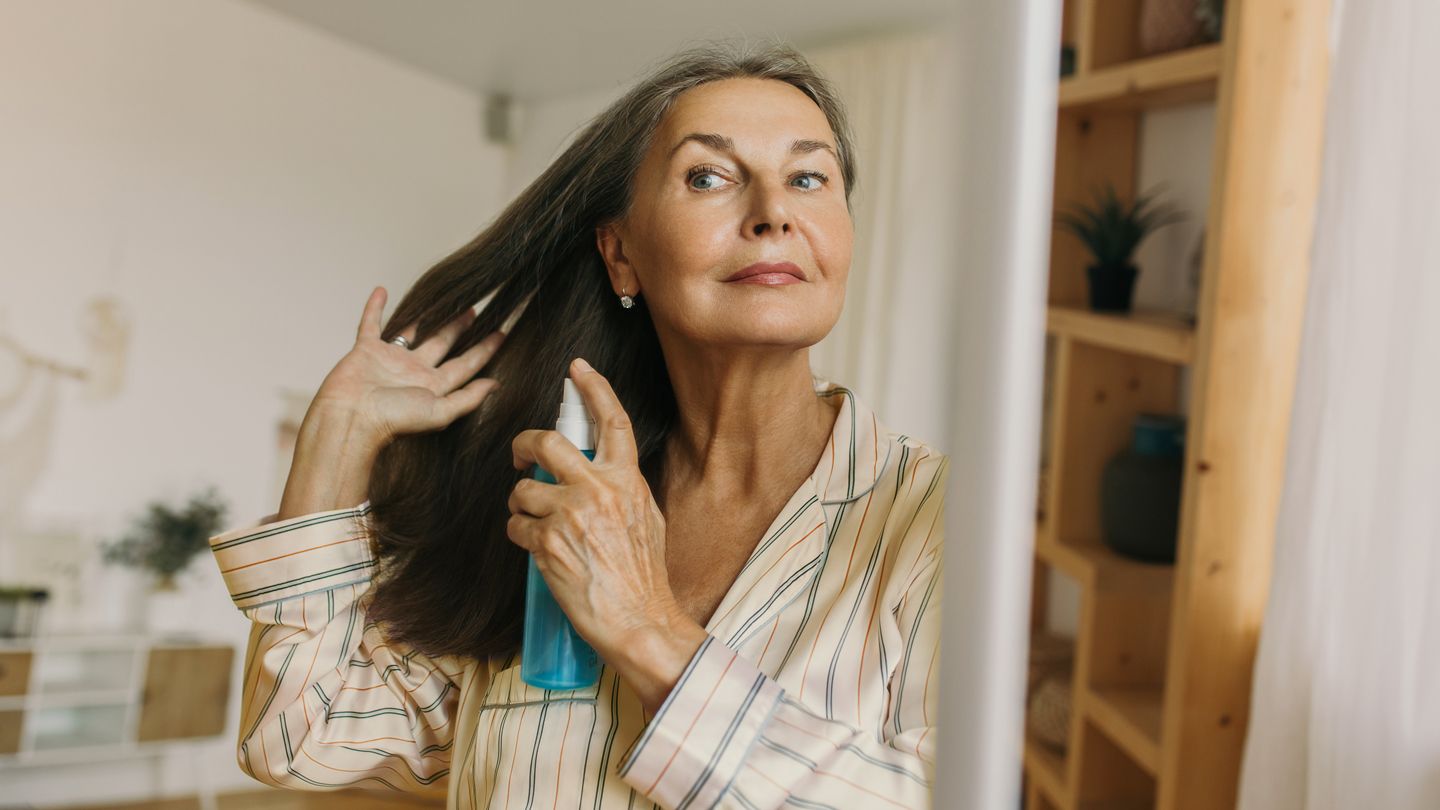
x=459, y=369
x=524, y=531
x=457, y=403
x=534, y=498
x=552, y=451
x=615, y=439
x=433, y=350
x=370, y=316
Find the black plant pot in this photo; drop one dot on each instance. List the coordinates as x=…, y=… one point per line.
x=1111, y=286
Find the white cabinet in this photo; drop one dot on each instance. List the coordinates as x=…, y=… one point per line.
x=69, y=698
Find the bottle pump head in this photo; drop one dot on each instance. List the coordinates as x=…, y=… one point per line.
x=575, y=422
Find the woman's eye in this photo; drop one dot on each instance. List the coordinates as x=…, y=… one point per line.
x=810, y=180
x=704, y=181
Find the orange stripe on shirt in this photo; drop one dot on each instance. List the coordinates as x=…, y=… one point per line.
x=283, y=556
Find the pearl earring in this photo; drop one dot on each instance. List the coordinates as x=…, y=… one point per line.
x=625, y=300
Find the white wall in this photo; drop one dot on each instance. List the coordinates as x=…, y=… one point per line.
x=1175, y=151
x=240, y=182
x=546, y=126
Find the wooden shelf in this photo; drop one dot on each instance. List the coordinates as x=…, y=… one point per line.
x=1145, y=631
x=1130, y=717
x=1158, y=335
x=1095, y=566
x=1179, y=77
x=1047, y=768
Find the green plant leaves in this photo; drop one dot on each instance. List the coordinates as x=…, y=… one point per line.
x=1111, y=229
x=164, y=540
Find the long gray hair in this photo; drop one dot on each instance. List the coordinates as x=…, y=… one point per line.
x=450, y=580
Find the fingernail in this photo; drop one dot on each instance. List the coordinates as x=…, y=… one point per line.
x=581, y=365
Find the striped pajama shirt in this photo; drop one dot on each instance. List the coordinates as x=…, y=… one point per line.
x=815, y=688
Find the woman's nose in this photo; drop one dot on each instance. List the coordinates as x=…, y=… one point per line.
x=768, y=211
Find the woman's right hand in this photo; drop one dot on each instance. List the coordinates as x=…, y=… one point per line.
x=392, y=391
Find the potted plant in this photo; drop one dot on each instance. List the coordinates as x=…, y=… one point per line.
x=164, y=540
x=1112, y=229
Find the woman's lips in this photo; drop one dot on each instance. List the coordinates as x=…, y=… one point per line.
x=772, y=279
x=771, y=274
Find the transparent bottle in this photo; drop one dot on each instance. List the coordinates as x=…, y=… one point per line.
x=553, y=655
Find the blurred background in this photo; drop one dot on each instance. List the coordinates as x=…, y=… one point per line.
x=199, y=195
x=1167, y=260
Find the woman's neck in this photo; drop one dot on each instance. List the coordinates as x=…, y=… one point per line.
x=747, y=423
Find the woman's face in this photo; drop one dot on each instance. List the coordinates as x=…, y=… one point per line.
x=740, y=172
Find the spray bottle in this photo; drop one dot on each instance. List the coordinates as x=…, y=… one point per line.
x=554, y=656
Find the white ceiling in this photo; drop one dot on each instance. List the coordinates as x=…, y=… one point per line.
x=538, y=49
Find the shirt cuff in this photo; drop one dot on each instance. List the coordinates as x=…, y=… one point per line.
x=270, y=560
x=695, y=744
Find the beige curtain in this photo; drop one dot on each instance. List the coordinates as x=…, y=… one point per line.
x=894, y=321
x=1346, y=702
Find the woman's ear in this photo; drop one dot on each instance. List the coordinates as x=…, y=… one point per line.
x=612, y=249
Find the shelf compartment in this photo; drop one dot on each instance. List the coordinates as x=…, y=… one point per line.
x=15, y=668
x=1130, y=717
x=1157, y=335
x=1100, y=392
x=62, y=671
x=12, y=722
x=78, y=726
x=1121, y=696
x=1179, y=77
x=1046, y=767
x=1109, y=778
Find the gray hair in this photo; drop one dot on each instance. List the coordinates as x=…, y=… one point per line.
x=451, y=582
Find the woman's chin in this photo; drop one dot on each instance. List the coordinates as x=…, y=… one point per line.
x=777, y=331
x=793, y=315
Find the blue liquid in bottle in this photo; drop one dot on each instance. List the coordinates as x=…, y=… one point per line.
x=553, y=655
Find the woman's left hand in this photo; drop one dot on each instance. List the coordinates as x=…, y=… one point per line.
x=599, y=540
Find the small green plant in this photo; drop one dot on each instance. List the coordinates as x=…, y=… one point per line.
x=1111, y=229
x=164, y=540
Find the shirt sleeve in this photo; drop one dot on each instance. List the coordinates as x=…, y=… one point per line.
x=727, y=731
x=328, y=702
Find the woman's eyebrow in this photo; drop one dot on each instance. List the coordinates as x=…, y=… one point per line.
x=806, y=145
x=721, y=143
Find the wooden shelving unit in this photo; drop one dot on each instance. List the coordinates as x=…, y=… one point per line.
x=1163, y=654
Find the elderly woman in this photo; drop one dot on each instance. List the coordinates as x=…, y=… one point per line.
x=754, y=557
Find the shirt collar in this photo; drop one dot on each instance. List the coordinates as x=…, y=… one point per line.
x=858, y=450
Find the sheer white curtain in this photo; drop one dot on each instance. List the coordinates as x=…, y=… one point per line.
x=1346, y=702
x=894, y=322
